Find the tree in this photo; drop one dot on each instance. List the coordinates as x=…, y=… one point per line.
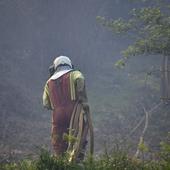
x=149, y=28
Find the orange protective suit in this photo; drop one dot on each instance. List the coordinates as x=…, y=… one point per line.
x=60, y=95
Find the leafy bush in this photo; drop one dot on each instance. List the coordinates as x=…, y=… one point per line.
x=118, y=160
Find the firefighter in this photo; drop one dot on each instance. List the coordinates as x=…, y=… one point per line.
x=64, y=89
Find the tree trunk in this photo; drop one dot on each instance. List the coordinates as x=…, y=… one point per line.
x=165, y=76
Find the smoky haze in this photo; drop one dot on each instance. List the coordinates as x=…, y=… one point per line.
x=32, y=34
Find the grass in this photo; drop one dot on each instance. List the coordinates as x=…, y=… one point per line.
x=117, y=160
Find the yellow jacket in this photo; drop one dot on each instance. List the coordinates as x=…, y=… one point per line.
x=77, y=88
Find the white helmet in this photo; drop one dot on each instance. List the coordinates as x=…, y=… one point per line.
x=62, y=60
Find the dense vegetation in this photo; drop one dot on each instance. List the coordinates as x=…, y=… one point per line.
x=117, y=160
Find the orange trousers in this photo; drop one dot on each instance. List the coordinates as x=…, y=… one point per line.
x=60, y=124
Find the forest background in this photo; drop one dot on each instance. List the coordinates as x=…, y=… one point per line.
x=33, y=33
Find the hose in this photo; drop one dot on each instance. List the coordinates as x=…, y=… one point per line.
x=80, y=125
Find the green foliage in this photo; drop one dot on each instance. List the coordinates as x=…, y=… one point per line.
x=117, y=26
x=117, y=160
x=165, y=153
x=149, y=26
x=142, y=146
x=23, y=165
x=120, y=63
x=69, y=138
x=48, y=162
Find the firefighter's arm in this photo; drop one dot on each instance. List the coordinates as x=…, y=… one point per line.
x=46, y=98
x=80, y=87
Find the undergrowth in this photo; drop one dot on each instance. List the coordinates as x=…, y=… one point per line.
x=117, y=160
